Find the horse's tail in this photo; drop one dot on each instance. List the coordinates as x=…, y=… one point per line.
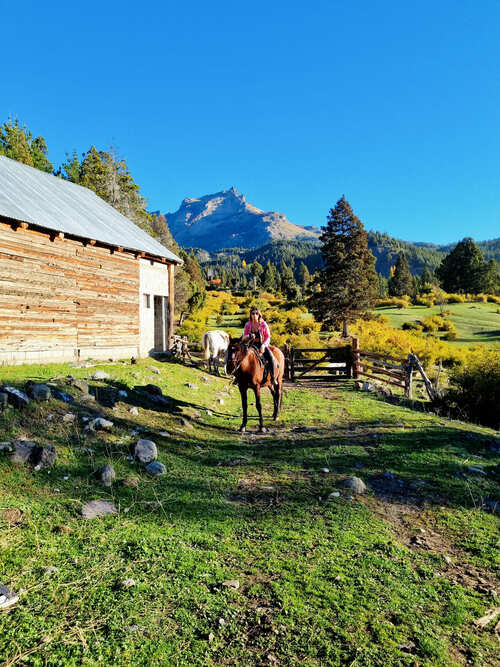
x=206, y=346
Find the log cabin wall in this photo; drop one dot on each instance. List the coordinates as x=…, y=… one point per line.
x=62, y=299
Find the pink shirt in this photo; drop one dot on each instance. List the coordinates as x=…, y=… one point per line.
x=265, y=334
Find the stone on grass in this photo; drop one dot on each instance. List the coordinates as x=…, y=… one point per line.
x=12, y=516
x=334, y=494
x=156, y=468
x=69, y=418
x=51, y=569
x=325, y=471
x=107, y=475
x=99, y=424
x=43, y=457
x=128, y=583
x=134, y=411
x=97, y=508
x=100, y=375
x=16, y=397
x=7, y=598
x=81, y=385
x=22, y=451
x=153, y=369
x=164, y=434
x=153, y=389
x=190, y=385
x=220, y=401
x=131, y=482
x=38, y=392
x=87, y=398
x=231, y=583
x=355, y=484
x=145, y=451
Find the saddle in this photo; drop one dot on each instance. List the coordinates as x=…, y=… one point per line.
x=264, y=362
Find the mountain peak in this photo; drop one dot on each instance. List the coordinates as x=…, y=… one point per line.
x=225, y=219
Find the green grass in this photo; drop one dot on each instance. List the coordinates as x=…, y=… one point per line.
x=322, y=582
x=475, y=322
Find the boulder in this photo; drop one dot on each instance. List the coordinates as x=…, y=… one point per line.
x=107, y=475
x=43, y=457
x=69, y=418
x=134, y=411
x=101, y=375
x=81, y=385
x=131, y=482
x=153, y=389
x=99, y=424
x=153, y=369
x=22, y=451
x=145, y=451
x=16, y=397
x=156, y=468
x=38, y=392
x=355, y=485
x=62, y=396
x=96, y=508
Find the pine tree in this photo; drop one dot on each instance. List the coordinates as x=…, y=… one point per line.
x=304, y=277
x=269, y=278
x=347, y=282
x=256, y=270
x=401, y=282
x=18, y=143
x=288, y=284
x=462, y=270
x=426, y=281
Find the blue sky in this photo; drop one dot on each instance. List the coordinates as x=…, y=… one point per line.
x=396, y=105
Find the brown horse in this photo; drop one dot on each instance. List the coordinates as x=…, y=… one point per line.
x=244, y=362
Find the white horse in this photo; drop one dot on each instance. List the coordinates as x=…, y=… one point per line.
x=214, y=343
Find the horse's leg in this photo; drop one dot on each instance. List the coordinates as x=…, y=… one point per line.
x=244, y=405
x=216, y=363
x=276, y=400
x=258, y=404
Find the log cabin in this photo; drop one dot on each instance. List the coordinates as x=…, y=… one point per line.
x=78, y=280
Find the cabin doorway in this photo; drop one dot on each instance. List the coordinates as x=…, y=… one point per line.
x=161, y=323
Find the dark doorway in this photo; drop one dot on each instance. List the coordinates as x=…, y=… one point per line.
x=160, y=324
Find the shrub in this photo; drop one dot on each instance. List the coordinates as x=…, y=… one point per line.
x=396, y=301
x=433, y=323
x=425, y=300
x=491, y=298
x=455, y=298
x=475, y=387
x=412, y=326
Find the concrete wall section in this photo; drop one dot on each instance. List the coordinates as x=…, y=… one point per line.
x=153, y=280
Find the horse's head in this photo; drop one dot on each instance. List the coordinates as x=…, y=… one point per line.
x=236, y=352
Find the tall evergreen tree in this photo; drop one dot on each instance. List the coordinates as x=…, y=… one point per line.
x=304, y=277
x=347, y=282
x=426, y=281
x=401, y=282
x=269, y=278
x=288, y=284
x=18, y=143
x=462, y=270
x=257, y=270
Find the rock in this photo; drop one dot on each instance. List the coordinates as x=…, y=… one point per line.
x=96, y=508
x=4, y=401
x=107, y=475
x=209, y=413
x=220, y=401
x=355, y=484
x=81, y=385
x=325, y=471
x=51, y=569
x=153, y=389
x=128, y=583
x=87, y=398
x=22, y=451
x=6, y=447
x=156, y=468
x=145, y=451
x=99, y=424
x=7, y=598
x=69, y=418
x=131, y=482
x=334, y=494
x=231, y=583
x=62, y=396
x=16, y=397
x=43, y=457
x=134, y=411
x=192, y=386
x=12, y=516
x=153, y=369
x=101, y=375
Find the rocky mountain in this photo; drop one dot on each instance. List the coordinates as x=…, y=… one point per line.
x=226, y=220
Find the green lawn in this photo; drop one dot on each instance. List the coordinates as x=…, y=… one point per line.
x=475, y=322
x=361, y=581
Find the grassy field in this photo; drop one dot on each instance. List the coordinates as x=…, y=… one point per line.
x=475, y=322
x=393, y=577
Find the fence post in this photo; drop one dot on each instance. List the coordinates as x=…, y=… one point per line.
x=409, y=376
x=287, y=361
x=356, y=358
x=292, y=364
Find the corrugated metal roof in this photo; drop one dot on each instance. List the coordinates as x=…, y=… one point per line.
x=33, y=196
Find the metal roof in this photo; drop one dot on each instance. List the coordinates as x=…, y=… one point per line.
x=33, y=196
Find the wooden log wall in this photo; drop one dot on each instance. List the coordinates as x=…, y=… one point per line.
x=60, y=293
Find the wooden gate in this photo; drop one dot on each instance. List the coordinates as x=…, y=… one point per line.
x=328, y=364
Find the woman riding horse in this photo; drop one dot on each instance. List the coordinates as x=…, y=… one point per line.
x=257, y=329
x=244, y=362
